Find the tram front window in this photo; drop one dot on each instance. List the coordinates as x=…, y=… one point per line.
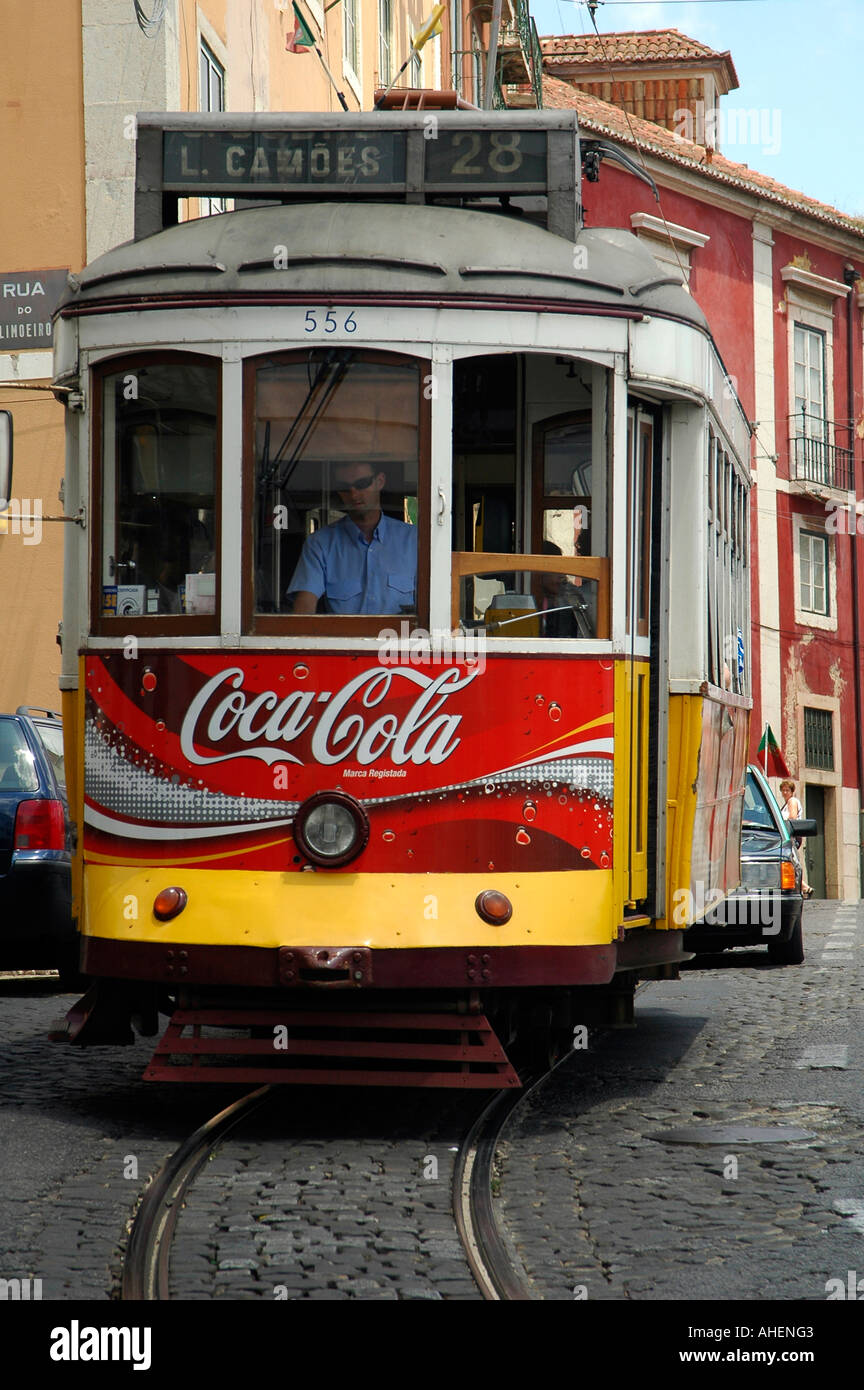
x=160, y=433
x=337, y=457
x=530, y=506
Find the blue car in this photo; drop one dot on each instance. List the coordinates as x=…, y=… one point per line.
x=36, y=926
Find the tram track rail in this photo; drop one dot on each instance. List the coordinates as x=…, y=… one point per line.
x=496, y=1272
x=146, y=1266
x=493, y=1263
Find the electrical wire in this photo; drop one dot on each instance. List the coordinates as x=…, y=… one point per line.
x=152, y=24
x=592, y=7
x=637, y=4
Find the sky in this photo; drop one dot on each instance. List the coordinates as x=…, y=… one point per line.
x=800, y=64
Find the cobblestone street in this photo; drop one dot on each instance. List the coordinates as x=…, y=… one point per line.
x=615, y=1181
x=607, y=1197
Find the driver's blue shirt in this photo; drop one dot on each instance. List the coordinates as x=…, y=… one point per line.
x=357, y=575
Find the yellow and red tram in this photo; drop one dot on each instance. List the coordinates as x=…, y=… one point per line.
x=482, y=772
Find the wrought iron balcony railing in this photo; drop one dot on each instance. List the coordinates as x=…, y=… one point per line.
x=817, y=461
x=519, y=75
x=520, y=58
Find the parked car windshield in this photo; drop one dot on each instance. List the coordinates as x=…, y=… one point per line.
x=757, y=812
x=760, y=813
x=17, y=763
x=51, y=736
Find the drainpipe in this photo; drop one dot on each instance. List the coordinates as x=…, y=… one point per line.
x=850, y=277
x=492, y=60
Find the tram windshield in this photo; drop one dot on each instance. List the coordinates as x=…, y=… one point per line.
x=529, y=517
x=337, y=455
x=336, y=484
x=160, y=432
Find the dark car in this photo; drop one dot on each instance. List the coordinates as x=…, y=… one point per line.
x=36, y=927
x=767, y=908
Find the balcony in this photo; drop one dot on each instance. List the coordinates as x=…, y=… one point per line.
x=823, y=464
x=518, y=64
x=520, y=60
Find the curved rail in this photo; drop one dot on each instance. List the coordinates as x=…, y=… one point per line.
x=145, y=1268
x=485, y=1248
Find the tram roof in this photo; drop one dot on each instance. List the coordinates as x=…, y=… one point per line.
x=382, y=249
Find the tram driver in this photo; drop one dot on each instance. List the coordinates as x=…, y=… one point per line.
x=366, y=562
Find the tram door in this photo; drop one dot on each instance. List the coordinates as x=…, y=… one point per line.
x=640, y=465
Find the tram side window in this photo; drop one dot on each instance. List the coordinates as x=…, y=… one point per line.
x=526, y=486
x=159, y=465
x=728, y=576
x=336, y=468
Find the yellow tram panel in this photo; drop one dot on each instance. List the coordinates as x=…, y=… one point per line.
x=238, y=907
x=630, y=827
x=73, y=762
x=707, y=751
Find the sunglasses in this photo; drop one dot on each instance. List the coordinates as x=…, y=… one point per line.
x=358, y=485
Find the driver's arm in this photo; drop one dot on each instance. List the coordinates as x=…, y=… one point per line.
x=305, y=601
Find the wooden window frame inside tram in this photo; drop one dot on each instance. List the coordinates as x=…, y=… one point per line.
x=317, y=625
x=149, y=624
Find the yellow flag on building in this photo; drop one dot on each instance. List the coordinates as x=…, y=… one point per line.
x=428, y=29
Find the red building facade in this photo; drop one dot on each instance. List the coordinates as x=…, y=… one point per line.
x=779, y=276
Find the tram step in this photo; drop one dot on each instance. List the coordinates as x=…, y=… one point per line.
x=311, y=1048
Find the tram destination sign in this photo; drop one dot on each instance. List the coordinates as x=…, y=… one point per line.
x=254, y=161
x=390, y=156
x=249, y=161
x=511, y=158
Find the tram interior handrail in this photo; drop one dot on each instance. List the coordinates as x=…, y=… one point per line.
x=596, y=567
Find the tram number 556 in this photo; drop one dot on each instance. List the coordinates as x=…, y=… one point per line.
x=314, y=323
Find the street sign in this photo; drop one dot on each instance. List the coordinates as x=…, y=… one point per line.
x=28, y=298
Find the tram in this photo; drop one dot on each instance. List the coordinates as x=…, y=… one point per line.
x=406, y=641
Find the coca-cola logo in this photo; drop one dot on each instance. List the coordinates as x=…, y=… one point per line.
x=268, y=722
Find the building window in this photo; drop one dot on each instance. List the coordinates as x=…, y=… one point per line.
x=670, y=244
x=211, y=98
x=385, y=41
x=819, y=739
x=813, y=557
x=350, y=36
x=810, y=411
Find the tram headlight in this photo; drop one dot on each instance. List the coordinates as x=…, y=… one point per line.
x=331, y=828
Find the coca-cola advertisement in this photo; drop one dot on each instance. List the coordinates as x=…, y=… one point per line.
x=203, y=758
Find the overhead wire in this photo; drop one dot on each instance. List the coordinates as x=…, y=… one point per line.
x=592, y=7
x=150, y=25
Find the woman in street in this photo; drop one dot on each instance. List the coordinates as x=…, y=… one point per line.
x=793, y=810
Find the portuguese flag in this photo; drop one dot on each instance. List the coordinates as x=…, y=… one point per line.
x=770, y=756
x=302, y=38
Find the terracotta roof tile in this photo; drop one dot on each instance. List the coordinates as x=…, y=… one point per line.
x=601, y=118
x=637, y=46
